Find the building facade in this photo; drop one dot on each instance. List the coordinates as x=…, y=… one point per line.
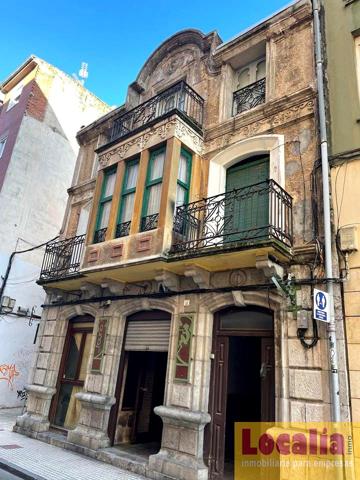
x=343, y=75
x=190, y=293
x=42, y=110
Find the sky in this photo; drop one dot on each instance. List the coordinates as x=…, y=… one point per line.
x=115, y=37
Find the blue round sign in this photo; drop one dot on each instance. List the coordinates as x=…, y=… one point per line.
x=320, y=301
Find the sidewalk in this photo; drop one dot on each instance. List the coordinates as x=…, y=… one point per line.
x=47, y=462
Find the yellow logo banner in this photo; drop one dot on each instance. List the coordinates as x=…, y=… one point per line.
x=296, y=451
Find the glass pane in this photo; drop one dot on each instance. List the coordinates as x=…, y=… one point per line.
x=68, y=407
x=85, y=357
x=180, y=195
x=109, y=184
x=183, y=174
x=157, y=165
x=127, y=207
x=105, y=214
x=243, y=78
x=73, y=356
x=246, y=320
x=261, y=70
x=154, y=199
x=132, y=174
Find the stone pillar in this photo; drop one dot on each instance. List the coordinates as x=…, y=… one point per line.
x=45, y=372
x=36, y=418
x=182, y=445
x=185, y=412
x=91, y=430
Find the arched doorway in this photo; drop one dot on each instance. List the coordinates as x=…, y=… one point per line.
x=242, y=386
x=65, y=408
x=141, y=381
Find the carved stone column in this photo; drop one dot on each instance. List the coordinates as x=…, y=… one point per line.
x=91, y=430
x=181, y=454
x=36, y=418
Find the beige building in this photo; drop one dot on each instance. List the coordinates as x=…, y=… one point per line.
x=163, y=324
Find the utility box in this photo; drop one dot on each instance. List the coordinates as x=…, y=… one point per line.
x=348, y=237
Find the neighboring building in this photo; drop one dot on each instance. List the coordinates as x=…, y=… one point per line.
x=42, y=110
x=205, y=192
x=342, y=39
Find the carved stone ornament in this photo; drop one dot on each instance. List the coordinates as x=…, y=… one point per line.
x=161, y=132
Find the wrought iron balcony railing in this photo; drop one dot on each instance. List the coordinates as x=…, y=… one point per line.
x=249, y=97
x=238, y=218
x=179, y=98
x=99, y=235
x=62, y=259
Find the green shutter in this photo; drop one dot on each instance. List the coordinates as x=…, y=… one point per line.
x=247, y=213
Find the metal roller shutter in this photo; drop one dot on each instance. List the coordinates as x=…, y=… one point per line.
x=148, y=335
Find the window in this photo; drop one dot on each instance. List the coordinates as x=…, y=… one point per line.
x=127, y=198
x=2, y=146
x=152, y=195
x=105, y=205
x=183, y=180
x=15, y=96
x=250, y=86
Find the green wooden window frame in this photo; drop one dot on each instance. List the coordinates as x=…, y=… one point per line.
x=126, y=191
x=185, y=186
x=104, y=199
x=150, y=183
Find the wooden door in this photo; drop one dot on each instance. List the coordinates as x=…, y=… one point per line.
x=218, y=408
x=246, y=212
x=65, y=408
x=267, y=375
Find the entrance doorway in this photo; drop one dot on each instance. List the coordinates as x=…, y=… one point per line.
x=242, y=382
x=65, y=408
x=141, y=383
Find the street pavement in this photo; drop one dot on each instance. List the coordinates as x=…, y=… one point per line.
x=38, y=460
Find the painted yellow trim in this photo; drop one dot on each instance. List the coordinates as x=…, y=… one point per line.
x=139, y=193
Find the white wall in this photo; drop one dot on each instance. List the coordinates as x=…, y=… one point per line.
x=32, y=205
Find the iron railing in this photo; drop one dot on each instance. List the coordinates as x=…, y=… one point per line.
x=249, y=97
x=62, y=259
x=122, y=229
x=179, y=98
x=255, y=213
x=99, y=235
x=150, y=222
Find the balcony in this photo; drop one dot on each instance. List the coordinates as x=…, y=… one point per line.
x=242, y=218
x=179, y=98
x=249, y=97
x=62, y=259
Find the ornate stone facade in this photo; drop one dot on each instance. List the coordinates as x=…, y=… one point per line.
x=124, y=279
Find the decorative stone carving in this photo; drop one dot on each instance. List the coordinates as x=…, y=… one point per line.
x=38, y=404
x=238, y=298
x=199, y=275
x=161, y=132
x=269, y=267
x=238, y=278
x=114, y=287
x=91, y=289
x=168, y=279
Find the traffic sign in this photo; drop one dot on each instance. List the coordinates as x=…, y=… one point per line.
x=321, y=306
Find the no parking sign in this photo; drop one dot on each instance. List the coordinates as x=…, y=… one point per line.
x=321, y=306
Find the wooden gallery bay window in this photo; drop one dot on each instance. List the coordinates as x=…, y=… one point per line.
x=127, y=198
x=103, y=214
x=153, y=187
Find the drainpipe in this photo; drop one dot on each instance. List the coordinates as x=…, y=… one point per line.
x=331, y=330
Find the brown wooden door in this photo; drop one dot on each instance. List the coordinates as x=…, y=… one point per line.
x=219, y=391
x=267, y=375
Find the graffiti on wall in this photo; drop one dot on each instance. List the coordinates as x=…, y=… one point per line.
x=8, y=373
